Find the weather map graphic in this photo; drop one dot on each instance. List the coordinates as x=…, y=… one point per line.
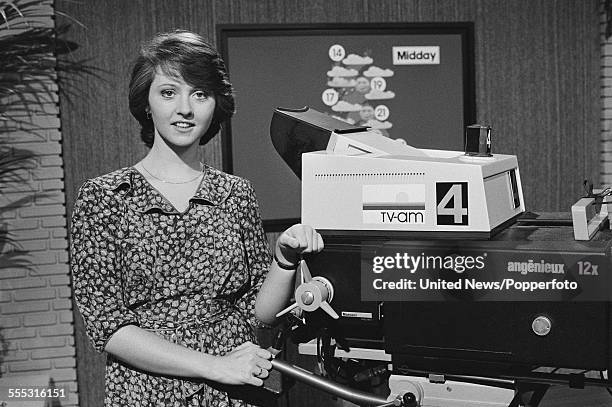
x=357, y=90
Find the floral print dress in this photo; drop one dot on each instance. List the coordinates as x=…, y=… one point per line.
x=189, y=277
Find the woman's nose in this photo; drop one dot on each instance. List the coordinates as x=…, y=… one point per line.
x=183, y=106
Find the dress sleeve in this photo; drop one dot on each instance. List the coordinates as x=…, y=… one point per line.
x=258, y=255
x=96, y=277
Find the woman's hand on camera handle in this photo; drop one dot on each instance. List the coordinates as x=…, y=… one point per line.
x=296, y=240
x=246, y=364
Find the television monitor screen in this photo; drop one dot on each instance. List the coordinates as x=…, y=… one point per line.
x=408, y=81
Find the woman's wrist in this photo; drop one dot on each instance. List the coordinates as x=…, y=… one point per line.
x=284, y=264
x=287, y=261
x=208, y=367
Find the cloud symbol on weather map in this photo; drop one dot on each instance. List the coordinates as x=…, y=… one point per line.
x=344, y=106
x=376, y=71
x=375, y=94
x=378, y=125
x=341, y=71
x=340, y=82
x=347, y=120
x=354, y=59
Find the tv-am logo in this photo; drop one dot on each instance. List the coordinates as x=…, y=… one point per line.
x=416, y=55
x=393, y=204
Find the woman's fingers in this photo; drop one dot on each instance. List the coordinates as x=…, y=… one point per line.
x=258, y=374
x=255, y=381
x=253, y=362
x=261, y=373
x=263, y=353
x=302, y=239
x=264, y=364
x=320, y=244
x=245, y=345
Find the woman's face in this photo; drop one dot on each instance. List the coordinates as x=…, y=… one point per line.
x=181, y=113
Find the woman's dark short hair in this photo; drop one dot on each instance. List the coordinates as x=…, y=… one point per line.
x=186, y=55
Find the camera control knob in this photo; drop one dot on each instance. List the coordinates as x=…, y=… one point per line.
x=307, y=297
x=313, y=293
x=541, y=325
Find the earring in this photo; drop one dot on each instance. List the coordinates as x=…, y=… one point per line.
x=148, y=114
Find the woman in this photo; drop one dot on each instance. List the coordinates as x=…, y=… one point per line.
x=169, y=256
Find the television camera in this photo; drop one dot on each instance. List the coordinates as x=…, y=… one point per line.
x=433, y=275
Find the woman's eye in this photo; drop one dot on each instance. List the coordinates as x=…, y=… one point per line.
x=200, y=95
x=167, y=93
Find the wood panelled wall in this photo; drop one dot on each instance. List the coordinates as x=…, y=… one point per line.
x=537, y=84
